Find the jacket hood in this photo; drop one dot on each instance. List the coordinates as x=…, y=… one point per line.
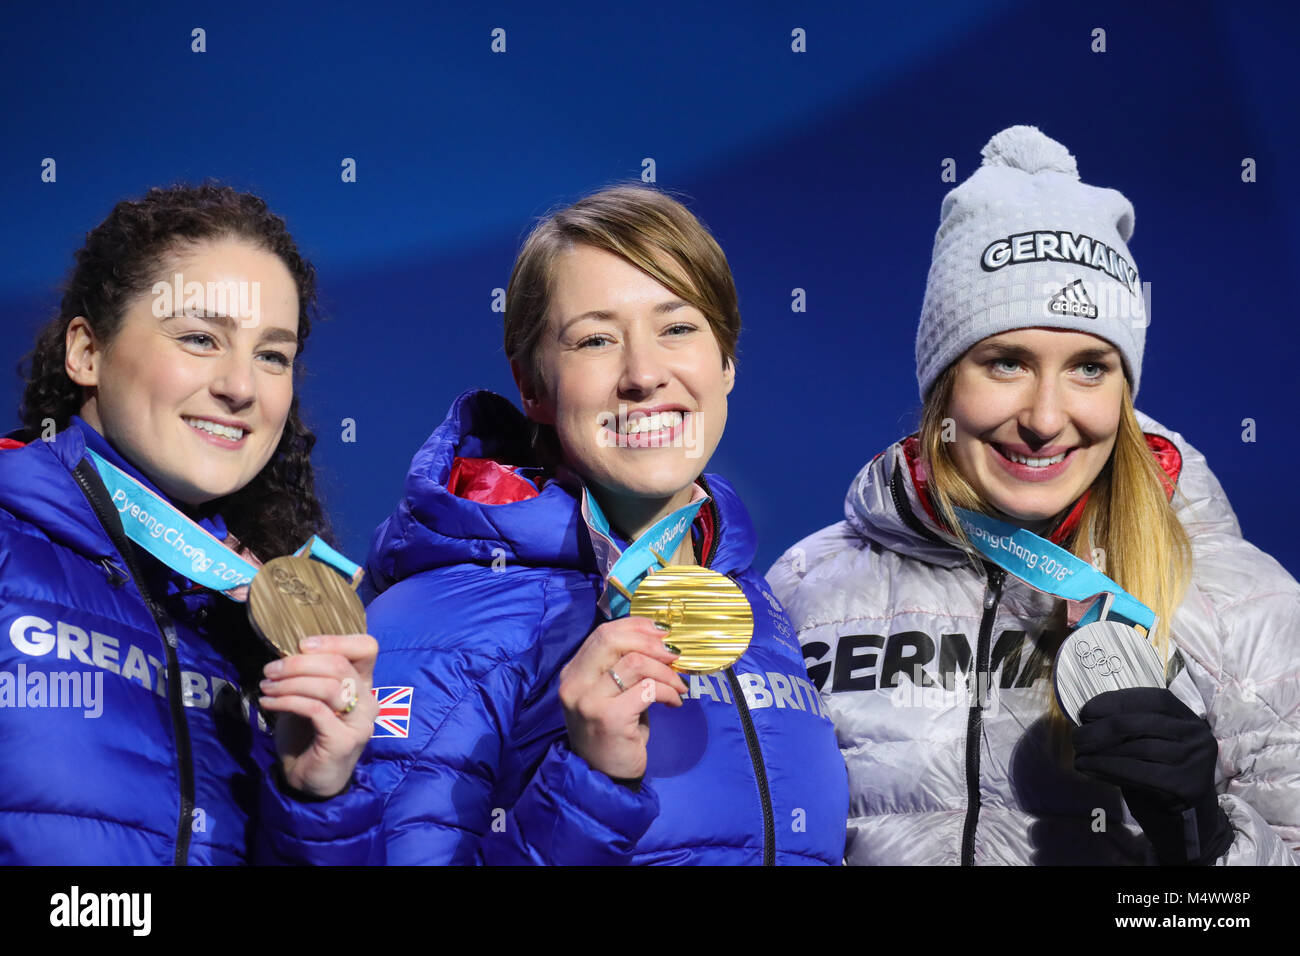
x=885, y=504
x=433, y=527
x=37, y=486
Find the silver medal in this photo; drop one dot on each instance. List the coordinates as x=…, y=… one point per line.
x=1103, y=656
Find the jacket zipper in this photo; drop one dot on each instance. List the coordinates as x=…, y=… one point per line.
x=760, y=771
x=98, y=498
x=746, y=719
x=905, y=512
x=974, y=720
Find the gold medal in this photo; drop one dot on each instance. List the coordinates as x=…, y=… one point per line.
x=296, y=597
x=709, y=617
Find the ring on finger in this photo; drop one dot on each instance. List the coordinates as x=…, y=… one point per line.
x=349, y=696
x=617, y=680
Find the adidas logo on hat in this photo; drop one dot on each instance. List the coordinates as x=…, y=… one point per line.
x=1073, y=300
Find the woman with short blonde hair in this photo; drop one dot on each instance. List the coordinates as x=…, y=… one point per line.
x=534, y=718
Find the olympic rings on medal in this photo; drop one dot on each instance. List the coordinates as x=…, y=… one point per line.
x=1093, y=655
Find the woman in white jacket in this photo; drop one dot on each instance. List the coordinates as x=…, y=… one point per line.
x=937, y=663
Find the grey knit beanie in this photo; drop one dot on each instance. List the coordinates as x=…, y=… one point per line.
x=1022, y=244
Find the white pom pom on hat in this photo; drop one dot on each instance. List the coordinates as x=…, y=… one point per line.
x=1023, y=243
x=1029, y=149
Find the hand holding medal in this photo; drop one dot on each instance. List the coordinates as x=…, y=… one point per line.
x=324, y=692
x=606, y=688
x=683, y=618
x=1130, y=730
x=303, y=606
x=707, y=616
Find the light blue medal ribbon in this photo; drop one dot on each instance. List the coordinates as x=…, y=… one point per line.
x=622, y=570
x=318, y=550
x=185, y=546
x=1046, y=567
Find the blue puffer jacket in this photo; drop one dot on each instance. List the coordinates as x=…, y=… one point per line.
x=105, y=759
x=481, y=606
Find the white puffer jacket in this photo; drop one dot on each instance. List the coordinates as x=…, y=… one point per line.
x=960, y=769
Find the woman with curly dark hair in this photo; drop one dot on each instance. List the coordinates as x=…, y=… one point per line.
x=162, y=449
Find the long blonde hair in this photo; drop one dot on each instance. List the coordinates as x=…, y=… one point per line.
x=1128, y=517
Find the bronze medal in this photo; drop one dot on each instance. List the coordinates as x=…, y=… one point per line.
x=709, y=617
x=296, y=597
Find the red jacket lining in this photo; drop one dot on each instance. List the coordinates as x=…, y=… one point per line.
x=489, y=482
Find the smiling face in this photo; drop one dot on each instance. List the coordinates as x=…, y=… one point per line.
x=636, y=384
x=197, y=403
x=1036, y=413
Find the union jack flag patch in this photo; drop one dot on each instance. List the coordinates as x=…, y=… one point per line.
x=394, y=718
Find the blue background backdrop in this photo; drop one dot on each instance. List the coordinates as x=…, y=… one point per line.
x=818, y=170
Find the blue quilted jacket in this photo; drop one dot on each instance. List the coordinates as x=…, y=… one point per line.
x=105, y=759
x=480, y=607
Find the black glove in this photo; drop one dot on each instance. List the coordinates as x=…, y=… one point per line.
x=1145, y=741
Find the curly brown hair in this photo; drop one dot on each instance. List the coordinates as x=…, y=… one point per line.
x=123, y=256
